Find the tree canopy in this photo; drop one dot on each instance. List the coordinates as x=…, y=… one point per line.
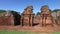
x=1, y=11
x=38, y=13
x=56, y=10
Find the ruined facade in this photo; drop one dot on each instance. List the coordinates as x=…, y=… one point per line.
x=27, y=18
x=46, y=17
x=56, y=17
x=6, y=18
x=10, y=18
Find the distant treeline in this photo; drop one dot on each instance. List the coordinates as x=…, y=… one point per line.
x=1, y=11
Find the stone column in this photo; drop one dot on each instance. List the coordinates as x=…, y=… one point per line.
x=12, y=20
x=46, y=17
x=31, y=20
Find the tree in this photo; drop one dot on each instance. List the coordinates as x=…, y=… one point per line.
x=38, y=13
x=1, y=11
x=56, y=10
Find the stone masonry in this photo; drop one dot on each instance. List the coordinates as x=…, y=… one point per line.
x=27, y=18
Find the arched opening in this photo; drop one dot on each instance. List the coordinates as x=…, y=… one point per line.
x=16, y=18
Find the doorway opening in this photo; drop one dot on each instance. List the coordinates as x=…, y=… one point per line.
x=16, y=18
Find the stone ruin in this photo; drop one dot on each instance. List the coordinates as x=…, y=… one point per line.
x=6, y=18
x=9, y=18
x=46, y=18
x=27, y=18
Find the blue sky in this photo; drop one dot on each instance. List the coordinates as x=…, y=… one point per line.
x=20, y=5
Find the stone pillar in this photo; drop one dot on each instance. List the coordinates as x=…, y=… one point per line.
x=58, y=20
x=31, y=19
x=27, y=17
x=46, y=16
x=12, y=20
x=21, y=21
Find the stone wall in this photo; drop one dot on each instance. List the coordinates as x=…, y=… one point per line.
x=6, y=19
x=27, y=18
x=46, y=17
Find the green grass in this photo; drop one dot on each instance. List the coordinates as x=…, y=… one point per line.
x=55, y=32
x=25, y=32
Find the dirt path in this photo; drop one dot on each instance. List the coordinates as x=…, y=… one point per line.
x=34, y=28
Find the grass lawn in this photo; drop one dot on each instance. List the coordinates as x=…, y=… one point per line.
x=24, y=32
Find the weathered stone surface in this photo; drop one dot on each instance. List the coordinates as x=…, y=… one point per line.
x=7, y=19
x=58, y=20
x=46, y=17
x=26, y=17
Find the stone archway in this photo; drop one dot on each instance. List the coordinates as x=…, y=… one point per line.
x=16, y=18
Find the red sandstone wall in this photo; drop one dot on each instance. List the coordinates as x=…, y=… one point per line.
x=6, y=20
